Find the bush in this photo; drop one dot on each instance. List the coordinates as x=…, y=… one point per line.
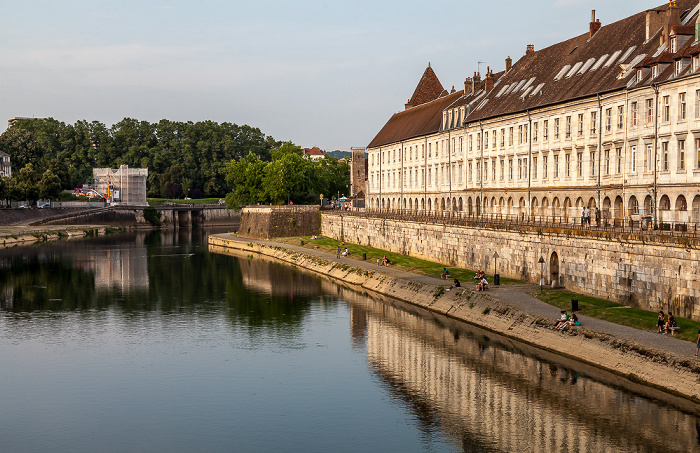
x=152, y=216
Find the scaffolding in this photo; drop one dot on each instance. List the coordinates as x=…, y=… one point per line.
x=122, y=186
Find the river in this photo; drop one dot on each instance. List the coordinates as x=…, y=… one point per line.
x=146, y=341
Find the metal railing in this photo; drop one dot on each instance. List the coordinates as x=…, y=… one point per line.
x=642, y=225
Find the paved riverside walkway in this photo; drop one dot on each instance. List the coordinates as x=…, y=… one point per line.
x=516, y=296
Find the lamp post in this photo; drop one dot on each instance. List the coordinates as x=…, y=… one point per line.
x=496, y=277
x=321, y=197
x=541, y=261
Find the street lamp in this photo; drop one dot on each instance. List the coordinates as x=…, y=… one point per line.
x=541, y=261
x=496, y=277
x=321, y=197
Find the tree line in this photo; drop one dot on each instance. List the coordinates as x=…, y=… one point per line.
x=184, y=159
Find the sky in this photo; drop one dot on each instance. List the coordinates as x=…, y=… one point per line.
x=317, y=73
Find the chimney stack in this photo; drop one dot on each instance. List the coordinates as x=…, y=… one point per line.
x=530, y=49
x=673, y=18
x=595, y=25
x=467, y=86
x=488, y=80
x=509, y=62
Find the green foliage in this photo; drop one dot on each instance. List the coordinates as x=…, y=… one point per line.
x=288, y=176
x=183, y=158
x=49, y=185
x=152, y=216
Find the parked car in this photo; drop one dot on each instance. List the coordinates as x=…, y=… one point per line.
x=23, y=206
x=45, y=205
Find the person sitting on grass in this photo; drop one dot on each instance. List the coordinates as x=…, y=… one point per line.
x=386, y=261
x=483, y=284
x=660, y=322
x=346, y=253
x=670, y=323
x=456, y=284
x=445, y=273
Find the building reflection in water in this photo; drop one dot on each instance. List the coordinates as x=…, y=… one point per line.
x=491, y=397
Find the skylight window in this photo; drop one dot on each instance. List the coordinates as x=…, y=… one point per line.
x=537, y=89
x=690, y=15
x=527, y=85
x=600, y=62
x=503, y=90
x=524, y=95
x=574, y=69
x=661, y=48
x=573, y=50
x=627, y=54
x=519, y=85
x=586, y=66
x=562, y=72
x=483, y=103
x=637, y=59
x=612, y=59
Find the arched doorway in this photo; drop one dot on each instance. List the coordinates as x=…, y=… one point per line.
x=554, y=270
x=618, y=207
x=460, y=204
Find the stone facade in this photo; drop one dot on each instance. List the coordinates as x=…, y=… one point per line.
x=645, y=275
x=265, y=222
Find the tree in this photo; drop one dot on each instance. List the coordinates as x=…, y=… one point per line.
x=49, y=185
x=24, y=183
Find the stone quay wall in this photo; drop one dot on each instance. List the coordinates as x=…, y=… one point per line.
x=651, y=276
x=265, y=222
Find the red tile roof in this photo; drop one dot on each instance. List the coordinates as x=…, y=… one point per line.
x=315, y=151
x=429, y=88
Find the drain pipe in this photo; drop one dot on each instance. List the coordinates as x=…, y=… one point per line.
x=529, y=164
x=481, y=170
x=656, y=147
x=600, y=147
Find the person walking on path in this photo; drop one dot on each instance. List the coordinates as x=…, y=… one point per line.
x=337, y=253
x=697, y=347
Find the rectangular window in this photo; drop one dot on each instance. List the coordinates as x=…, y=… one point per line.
x=620, y=117
x=469, y=176
x=520, y=169
x=430, y=148
x=592, y=163
x=461, y=144
x=681, y=155
x=534, y=168
x=556, y=128
x=503, y=167
x=486, y=140
x=648, y=158
x=664, y=156
x=510, y=137
x=633, y=159
x=567, y=165
x=619, y=160
x=486, y=170
x=697, y=103
x=594, y=122
x=520, y=134
x=666, y=112
x=556, y=165
x=608, y=120
x=681, y=107
x=545, y=129
x=525, y=137
x=568, y=127
x=478, y=171
x=510, y=169
x=607, y=161
x=493, y=169
x=503, y=138
x=534, y=131
x=697, y=153
x=493, y=138
x=634, y=117
x=478, y=141
x=544, y=167
x=579, y=157
x=650, y=111
x=580, y=124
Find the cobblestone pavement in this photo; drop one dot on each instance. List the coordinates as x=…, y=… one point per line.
x=518, y=297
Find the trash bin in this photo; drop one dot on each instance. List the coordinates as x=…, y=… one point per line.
x=496, y=279
x=574, y=304
x=302, y=242
x=364, y=257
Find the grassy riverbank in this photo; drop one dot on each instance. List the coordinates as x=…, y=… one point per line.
x=588, y=306
x=613, y=312
x=406, y=263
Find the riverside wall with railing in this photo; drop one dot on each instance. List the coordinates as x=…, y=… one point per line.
x=628, y=262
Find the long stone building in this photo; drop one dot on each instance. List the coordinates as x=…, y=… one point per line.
x=609, y=119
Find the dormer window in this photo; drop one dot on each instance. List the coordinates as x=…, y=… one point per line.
x=654, y=71
x=674, y=44
x=696, y=62
x=640, y=75
x=679, y=67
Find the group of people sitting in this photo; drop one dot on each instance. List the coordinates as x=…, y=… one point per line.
x=565, y=320
x=664, y=325
x=482, y=284
x=383, y=261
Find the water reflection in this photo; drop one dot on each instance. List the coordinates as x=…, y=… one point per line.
x=497, y=396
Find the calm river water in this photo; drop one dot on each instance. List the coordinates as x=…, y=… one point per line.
x=149, y=342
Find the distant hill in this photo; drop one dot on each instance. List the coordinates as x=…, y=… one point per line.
x=339, y=154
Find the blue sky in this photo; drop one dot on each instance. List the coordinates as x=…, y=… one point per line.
x=328, y=74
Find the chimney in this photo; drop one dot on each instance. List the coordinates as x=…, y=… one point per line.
x=488, y=80
x=475, y=81
x=453, y=90
x=673, y=18
x=530, y=49
x=595, y=25
x=467, y=86
x=509, y=62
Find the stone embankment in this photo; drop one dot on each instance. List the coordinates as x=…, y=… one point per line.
x=639, y=363
x=23, y=235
